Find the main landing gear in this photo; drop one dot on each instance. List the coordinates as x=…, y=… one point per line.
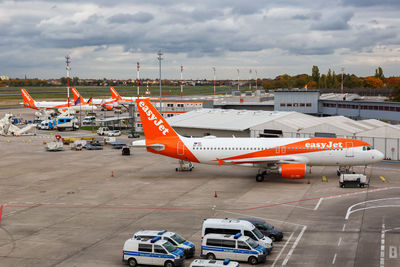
x=261, y=175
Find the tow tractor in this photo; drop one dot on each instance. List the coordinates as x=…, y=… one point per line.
x=184, y=166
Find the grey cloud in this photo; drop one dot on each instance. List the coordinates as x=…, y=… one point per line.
x=123, y=18
x=333, y=21
x=309, y=16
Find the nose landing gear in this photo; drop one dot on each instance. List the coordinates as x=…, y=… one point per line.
x=261, y=175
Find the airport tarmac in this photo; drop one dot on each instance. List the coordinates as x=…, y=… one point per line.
x=66, y=209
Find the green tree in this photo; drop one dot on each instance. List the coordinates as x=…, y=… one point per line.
x=315, y=74
x=335, y=83
x=379, y=74
x=395, y=95
x=329, y=79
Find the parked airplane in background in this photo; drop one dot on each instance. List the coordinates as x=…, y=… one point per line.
x=286, y=156
x=59, y=105
x=108, y=103
x=122, y=99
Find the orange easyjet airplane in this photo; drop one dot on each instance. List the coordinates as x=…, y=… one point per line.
x=108, y=103
x=286, y=156
x=59, y=105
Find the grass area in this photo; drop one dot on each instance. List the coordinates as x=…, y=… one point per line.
x=89, y=128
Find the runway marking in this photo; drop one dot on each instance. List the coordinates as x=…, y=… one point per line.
x=340, y=241
x=334, y=258
x=382, y=259
x=319, y=203
x=294, y=245
x=350, y=211
x=283, y=248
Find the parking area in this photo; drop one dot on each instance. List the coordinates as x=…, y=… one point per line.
x=76, y=208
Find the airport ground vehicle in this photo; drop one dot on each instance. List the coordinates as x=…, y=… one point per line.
x=236, y=247
x=114, y=133
x=117, y=145
x=103, y=131
x=175, y=239
x=288, y=157
x=88, y=120
x=46, y=125
x=266, y=229
x=153, y=251
x=352, y=180
x=214, y=263
x=133, y=135
x=93, y=147
x=233, y=226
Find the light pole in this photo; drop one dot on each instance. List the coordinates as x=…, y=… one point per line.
x=68, y=68
x=214, y=80
x=137, y=78
x=238, y=72
x=159, y=62
x=256, y=79
x=181, y=81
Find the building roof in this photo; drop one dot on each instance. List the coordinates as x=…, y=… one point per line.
x=225, y=119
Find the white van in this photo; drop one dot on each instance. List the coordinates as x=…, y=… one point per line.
x=214, y=263
x=175, y=239
x=236, y=247
x=151, y=252
x=233, y=226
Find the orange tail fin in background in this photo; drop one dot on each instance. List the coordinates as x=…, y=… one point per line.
x=75, y=93
x=114, y=94
x=28, y=101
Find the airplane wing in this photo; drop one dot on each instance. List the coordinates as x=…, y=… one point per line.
x=142, y=143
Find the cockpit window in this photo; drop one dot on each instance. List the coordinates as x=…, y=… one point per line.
x=366, y=148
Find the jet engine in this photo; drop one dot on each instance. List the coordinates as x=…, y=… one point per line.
x=109, y=108
x=293, y=170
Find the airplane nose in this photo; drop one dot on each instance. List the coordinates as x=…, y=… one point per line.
x=379, y=155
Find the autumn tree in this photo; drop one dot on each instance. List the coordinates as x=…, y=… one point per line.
x=373, y=82
x=379, y=74
x=315, y=74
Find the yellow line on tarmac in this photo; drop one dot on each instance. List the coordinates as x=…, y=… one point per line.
x=382, y=178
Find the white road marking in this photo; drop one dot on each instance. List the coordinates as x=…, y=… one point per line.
x=334, y=259
x=319, y=203
x=294, y=245
x=344, y=226
x=340, y=241
x=280, y=252
x=382, y=259
x=349, y=210
x=375, y=207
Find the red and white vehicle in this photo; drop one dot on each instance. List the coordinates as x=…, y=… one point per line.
x=286, y=156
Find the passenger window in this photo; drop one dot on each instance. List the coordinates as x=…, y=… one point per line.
x=243, y=245
x=228, y=243
x=159, y=249
x=250, y=234
x=214, y=242
x=145, y=247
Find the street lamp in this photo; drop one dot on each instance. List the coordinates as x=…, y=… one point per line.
x=159, y=62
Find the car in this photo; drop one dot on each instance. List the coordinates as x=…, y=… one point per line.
x=126, y=151
x=133, y=135
x=114, y=133
x=92, y=147
x=268, y=230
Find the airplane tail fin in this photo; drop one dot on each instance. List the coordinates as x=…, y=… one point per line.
x=160, y=136
x=28, y=101
x=77, y=97
x=114, y=94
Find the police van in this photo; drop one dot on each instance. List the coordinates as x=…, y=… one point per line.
x=214, y=263
x=234, y=226
x=151, y=252
x=235, y=247
x=175, y=239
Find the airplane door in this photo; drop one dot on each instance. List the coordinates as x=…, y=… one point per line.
x=180, y=149
x=349, y=149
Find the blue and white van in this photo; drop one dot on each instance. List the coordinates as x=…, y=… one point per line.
x=236, y=247
x=173, y=238
x=151, y=252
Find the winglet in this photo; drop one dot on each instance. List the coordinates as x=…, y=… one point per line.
x=28, y=101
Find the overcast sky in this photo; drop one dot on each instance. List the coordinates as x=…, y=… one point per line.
x=106, y=38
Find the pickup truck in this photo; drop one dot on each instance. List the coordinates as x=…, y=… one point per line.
x=103, y=131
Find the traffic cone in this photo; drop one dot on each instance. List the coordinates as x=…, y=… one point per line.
x=44, y=142
x=215, y=194
x=308, y=181
x=1, y=211
x=112, y=174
